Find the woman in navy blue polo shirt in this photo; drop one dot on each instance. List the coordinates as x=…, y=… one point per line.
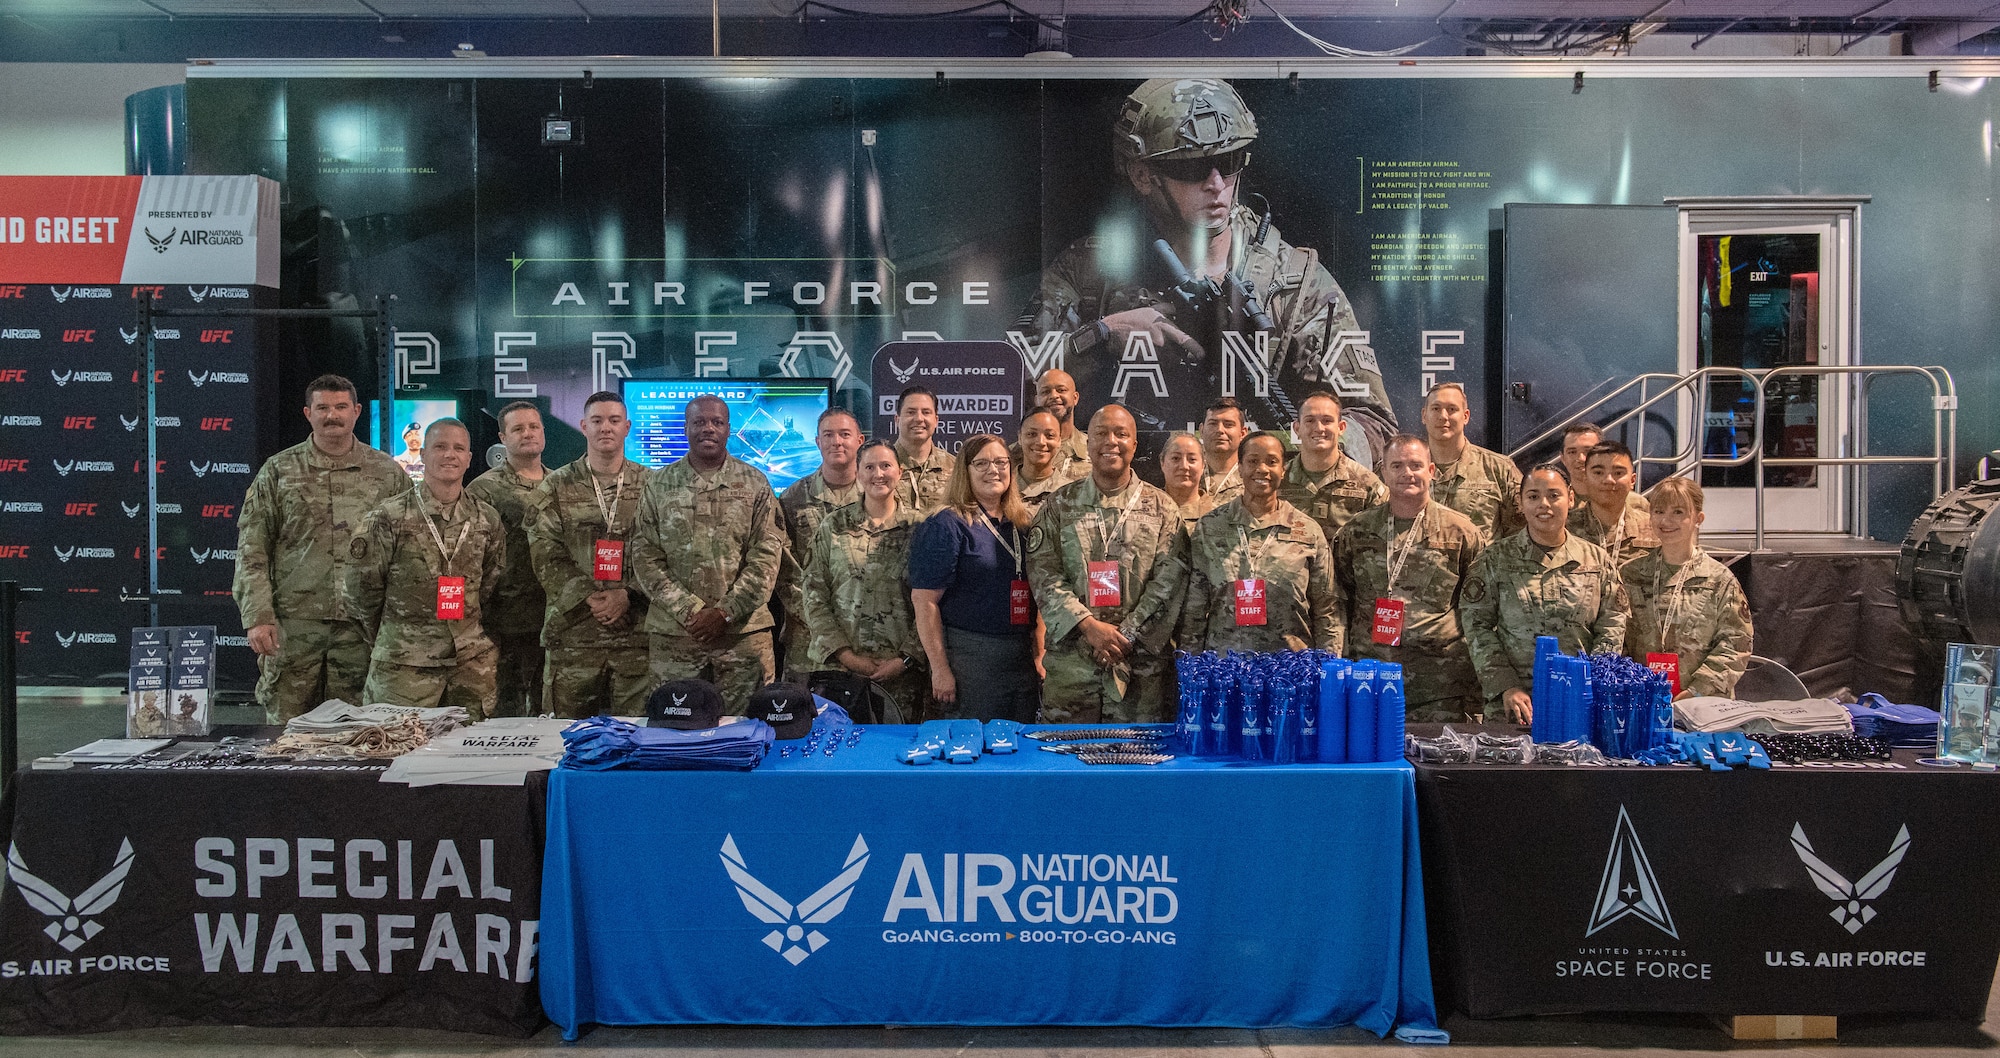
x=969, y=584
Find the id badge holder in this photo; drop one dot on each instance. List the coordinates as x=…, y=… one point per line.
x=1388, y=625
x=451, y=599
x=1249, y=601
x=1020, y=603
x=1104, y=584
x=1668, y=665
x=610, y=560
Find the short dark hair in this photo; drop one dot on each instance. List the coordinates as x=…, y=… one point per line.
x=1607, y=448
x=830, y=413
x=1555, y=468
x=1401, y=439
x=687, y=411
x=518, y=405
x=1582, y=427
x=446, y=421
x=1284, y=453
x=1223, y=404
x=878, y=443
x=331, y=384
x=1039, y=409
x=1322, y=391
x=602, y=396
x=914, y=391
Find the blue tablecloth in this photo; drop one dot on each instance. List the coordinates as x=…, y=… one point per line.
x=1024, y=889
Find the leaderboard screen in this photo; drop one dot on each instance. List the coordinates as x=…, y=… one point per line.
x=772, y=421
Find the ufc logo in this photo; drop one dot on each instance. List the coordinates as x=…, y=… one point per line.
x=13, y=292
x=20, y=634
x=14, y=374
x=148, y=293
x=217, y=337
x=216, y=422
x=8, y=466
x=83, y=510
x=13, y=551
x=158, y=468
x=139, y=553
x=218, y=510
x=80, y=336
x=158, y=377
x=80, y=422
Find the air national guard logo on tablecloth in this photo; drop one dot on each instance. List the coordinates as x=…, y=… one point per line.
x=1850, y=907
x=793, y=941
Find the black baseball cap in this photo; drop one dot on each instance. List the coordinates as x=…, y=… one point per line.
x=685, y=704
x=788, y=708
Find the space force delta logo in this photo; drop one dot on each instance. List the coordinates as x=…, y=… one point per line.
x=944, y=897
x=1628, y=891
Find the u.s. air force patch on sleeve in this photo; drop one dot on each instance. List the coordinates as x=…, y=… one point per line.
x=358, y=548
x=1475, y=589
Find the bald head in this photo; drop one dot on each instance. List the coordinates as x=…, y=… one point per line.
x=1056, y=391
x=1114, y=438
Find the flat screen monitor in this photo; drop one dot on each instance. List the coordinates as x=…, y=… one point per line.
x=772, y=421
x=411, y=417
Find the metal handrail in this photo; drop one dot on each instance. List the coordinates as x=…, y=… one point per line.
x=1944, y=423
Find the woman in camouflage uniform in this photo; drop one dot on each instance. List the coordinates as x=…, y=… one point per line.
x=1686, y=606
x=857, y=586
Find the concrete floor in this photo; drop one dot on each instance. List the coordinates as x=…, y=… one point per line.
x=57, y=721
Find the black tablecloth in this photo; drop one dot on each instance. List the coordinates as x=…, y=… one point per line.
x=1554, y=889
x=282, y=895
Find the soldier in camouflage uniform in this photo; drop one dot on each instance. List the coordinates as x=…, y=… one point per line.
x=409, y=550
x=513, y=616
x=1684, y=602
x=1260, y=577
x=1041, y=465
x=804, y=505
x=301, y=510
x=1431, y=548
x=1182, y=145
x=1102, y=566
x=1323, y=482
x=1222, y=432
x=1476, y=482
x=926, y=467
x=580, y=541
x=857, y=588
x=1542, y=581
x=1055, y=393
x=706, y=552
x=1180, y=471
x=1607, y=519
x=1578, y=440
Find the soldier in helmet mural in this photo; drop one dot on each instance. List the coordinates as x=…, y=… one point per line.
x=1166, y=309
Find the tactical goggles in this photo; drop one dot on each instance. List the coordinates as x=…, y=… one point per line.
x=1195, y=170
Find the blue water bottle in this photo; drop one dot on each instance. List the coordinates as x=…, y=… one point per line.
x=1361, y=712
x=1219, y=712
x=1251, y=740
x=1540, y=696
x=1389, y=712
x=1332, y=710
x=1305, y=698
x=1284, y=722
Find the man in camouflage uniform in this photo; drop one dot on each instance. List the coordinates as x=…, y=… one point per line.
x=926, y=467
x=1055, y=393
x=580, y=541
x=302, y=508
x=1222, y=432
x=1432, y=548
x=1323, y=482
x=1542, y=582
x=1182, y=145
x=1578, y=440
x=805, y=504
x=706, y=551
x=1606, y=518
x=1260, y=539
x=415, y=552
x=1102, y=567
x=1474, y=481
x=513, y=616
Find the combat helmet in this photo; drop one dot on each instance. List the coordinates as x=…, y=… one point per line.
x=1174, y=118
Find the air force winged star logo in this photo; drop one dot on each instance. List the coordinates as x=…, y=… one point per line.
x=819, y=908
x=1849, y=908
x=71, y=924
x=1628, y=886
x=904, y=374
x=161, y=243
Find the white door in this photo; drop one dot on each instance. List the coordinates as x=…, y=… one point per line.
x=1761, y=289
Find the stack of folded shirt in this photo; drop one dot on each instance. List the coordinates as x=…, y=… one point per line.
x=339, y=731
x=1904, y=726
x=606, y=742
x=1807, y=716
x=497, y=752
x=335, y=715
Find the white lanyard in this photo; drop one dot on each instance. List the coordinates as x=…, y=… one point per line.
x=610, y=511
x=1252, y=556
x=1020, y=565
x=1398, y=556
x=1677, y=605
x=1107, y=529
x=437, y=536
